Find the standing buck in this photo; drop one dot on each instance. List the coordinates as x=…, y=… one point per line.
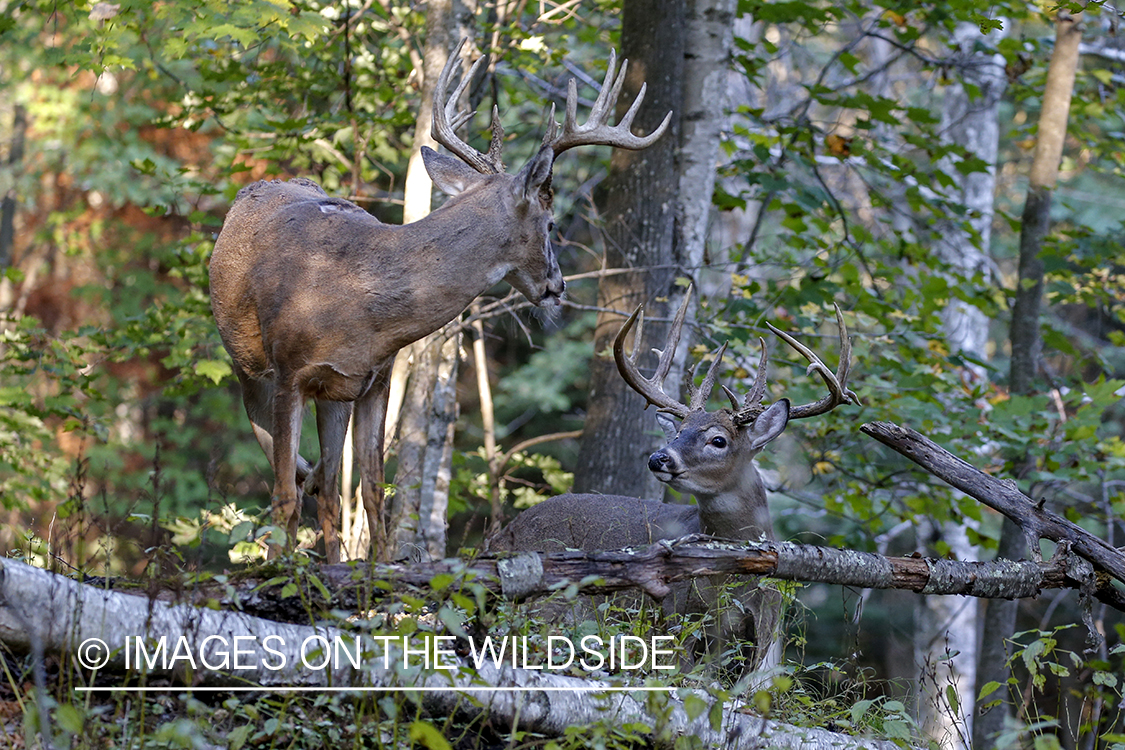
x=709, y=455
x=313, y=296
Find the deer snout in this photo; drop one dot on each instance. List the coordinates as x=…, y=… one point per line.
x=556, y=286
x=663, y=466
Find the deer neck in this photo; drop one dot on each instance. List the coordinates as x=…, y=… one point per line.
x=460, y=250
x=739, y=511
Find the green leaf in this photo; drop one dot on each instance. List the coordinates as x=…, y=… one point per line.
x=237, y=737
x=428, y=735
x=988, y=689
x=859, y=709
x=954, y=700
x=215, y=369
x=694, y=706
x=69, y=718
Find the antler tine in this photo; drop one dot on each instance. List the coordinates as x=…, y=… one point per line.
x=752, y=403
x=552, y=128
x=651, y=388
x=596, y=131
x=698, y=396
x=838, y=391
x=496, y=144
x=446, y=118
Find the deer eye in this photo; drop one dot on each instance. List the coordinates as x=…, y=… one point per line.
x=550, y=227
x=718, y=441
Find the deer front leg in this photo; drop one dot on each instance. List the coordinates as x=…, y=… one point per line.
x=368, y=439
x=331, y=428
x=286, y=503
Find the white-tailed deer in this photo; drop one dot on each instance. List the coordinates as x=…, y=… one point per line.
x=313, y=296
x=710, y=455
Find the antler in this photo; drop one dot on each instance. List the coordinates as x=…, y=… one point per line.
x=838, y=391
x=653, y=388
x=447, y=119
x=596, y=131
x=752, y=404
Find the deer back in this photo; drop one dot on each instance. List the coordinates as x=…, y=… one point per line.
x=568, y=522
x=318, y=288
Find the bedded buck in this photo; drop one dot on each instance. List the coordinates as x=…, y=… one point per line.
x=313, y=296
x=710, y=455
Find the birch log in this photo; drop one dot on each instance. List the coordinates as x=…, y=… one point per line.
x=64, y=615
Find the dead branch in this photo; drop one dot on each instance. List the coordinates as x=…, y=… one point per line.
x=1002, y=496
x=652, y=569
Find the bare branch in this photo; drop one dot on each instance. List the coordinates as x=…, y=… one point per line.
x=1002, y=496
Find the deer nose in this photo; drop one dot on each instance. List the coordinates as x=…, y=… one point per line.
x=556, y=284
x=659, y=461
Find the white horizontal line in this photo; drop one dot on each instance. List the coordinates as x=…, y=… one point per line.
x=306, y=688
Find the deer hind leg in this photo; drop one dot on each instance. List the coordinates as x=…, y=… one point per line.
x=288, y=406
x=368, y=438
x=258, y=398
x=331, y=428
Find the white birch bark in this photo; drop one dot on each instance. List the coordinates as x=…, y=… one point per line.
x=63, y=615
x=429, y=399
x=946, y=623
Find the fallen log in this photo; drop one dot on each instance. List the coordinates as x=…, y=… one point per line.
x=358, y=586
x=68, y=617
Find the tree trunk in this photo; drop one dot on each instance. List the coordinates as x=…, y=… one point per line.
x=425, y=448
x=658, y=206
x=946, y=623
x=1000, y=618
x=997, y=625
x=8, y=204
x=1024, y=333
x=429, y=406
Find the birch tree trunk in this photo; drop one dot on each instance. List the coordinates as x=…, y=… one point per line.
x=658, y=209
x=1000, y=618
x=429, y=401
x=947, y=624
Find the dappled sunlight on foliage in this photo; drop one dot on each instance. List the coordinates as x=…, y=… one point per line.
x=125, y=451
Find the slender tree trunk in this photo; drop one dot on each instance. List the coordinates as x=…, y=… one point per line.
x=8, y=203
x=997, y=625
x=429, y=407
x=425, y=451
x=1000, y=616
x=658, y=207
x=946, y=622
x=1024, y=333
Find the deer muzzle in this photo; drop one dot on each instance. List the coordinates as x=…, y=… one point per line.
x=663, y=466
x=554, y=290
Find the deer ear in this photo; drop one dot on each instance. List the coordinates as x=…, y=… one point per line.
x=452, y=176
x=769, y=424
x=536, y=175
x=671, y=429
